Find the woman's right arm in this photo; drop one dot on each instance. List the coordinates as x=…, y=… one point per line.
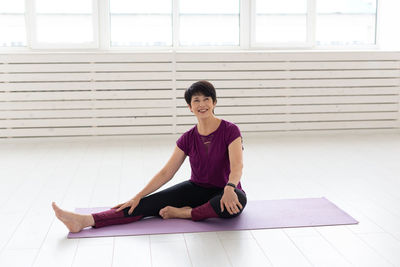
x=161, y=178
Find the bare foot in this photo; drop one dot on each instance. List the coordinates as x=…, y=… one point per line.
x=171, y=212
x=74, y=222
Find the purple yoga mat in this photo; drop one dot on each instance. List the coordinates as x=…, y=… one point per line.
x=256, y=215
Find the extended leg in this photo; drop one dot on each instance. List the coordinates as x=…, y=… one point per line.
x=173, y=202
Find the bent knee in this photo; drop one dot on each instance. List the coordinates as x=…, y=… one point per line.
x=243, y=201
x=241, y=196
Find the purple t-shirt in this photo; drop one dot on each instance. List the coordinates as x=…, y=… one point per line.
x=208, y=155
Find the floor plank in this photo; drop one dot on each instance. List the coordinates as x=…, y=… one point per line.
x=354, y=249
x=359, y=173
x=279, y=248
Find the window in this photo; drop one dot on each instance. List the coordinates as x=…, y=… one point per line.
x=209, y=22
x=280, y=22
x=337, y=23
x=64, y=22
x=12, y=23
x=175, y=24
x=141, y=23
x=345, y=22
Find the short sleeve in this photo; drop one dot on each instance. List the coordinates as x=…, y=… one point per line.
x=232, y=133
x=182, y=143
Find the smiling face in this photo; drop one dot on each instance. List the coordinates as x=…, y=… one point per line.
x=202, y=106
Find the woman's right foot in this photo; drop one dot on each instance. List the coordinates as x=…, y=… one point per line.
x=171, y=212
x=74, y=222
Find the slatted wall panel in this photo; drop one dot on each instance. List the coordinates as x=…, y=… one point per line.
x=77, y=94
x=83, y=95
x=314, y=91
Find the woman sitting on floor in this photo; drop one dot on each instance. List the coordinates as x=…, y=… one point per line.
x=214, y=147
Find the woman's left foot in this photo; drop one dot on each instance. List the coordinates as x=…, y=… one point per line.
x=74, y=222
x=171, y=212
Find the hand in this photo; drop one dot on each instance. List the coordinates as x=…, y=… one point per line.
x=230, y=201
x=130, y=203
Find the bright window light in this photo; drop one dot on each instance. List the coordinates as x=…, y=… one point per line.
x=209, y=22
x=64, y=21
x=345, y=22
x=283, y=21
x=141, y=23
x=12, y=23
x=64, y=6
x=175, y=24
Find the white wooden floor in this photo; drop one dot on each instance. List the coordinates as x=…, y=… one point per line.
x=359, y=173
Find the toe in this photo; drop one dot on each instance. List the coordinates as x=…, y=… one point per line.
x=161, y=213
x=55, y=207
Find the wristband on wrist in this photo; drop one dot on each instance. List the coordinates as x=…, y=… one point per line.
x=231, y=184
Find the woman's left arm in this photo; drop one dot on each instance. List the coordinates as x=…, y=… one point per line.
x=229, y=199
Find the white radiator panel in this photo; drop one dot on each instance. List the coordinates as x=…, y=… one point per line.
x=90, y=94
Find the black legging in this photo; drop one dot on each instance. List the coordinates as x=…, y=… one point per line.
x=184, y=194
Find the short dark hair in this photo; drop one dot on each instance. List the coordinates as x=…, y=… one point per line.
x=201, y=87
